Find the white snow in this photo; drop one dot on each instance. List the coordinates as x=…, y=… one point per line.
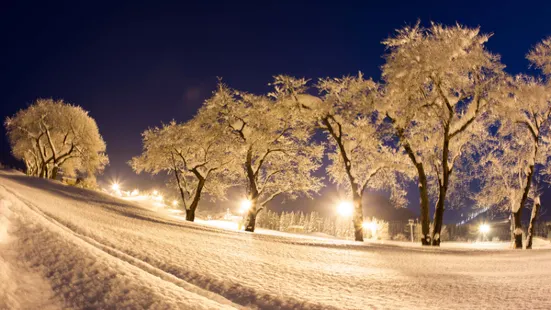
x=82, y=249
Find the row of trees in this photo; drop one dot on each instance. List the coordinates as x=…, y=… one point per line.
x=51, y=135
x=445, y=115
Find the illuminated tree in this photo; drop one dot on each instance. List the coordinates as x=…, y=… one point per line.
x=437, y=85
x=194, y=152
x=360, y=157
x=50, y=135
x=272, y=146
x=518, y=162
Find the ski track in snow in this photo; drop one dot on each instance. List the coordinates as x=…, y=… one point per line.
x=20, y=288
x=82, y=249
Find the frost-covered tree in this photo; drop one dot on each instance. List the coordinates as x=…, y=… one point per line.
x=360, y=157
x=50, y=135
x=530, y=108
x=195, y=153
x=437, y=85
x=272, y=146
x=518, y=163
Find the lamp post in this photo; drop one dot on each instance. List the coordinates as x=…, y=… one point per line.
x=411, y=223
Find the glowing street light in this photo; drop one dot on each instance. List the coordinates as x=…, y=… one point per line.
x=345, y=208
x=175, y=202
x=246, y=204
x=115, y=186
x=155, y=192
x=484, y=228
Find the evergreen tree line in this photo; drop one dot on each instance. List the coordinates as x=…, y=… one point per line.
x=314, y=222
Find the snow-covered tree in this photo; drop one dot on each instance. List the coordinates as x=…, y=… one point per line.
x=530, y=108
x=437, y=85
x=521, y=151
x=272, y=146
x=195, y=153
x=500, y=167
x=360, y=156
x=50, y=135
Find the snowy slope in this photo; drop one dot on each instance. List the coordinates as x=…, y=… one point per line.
x=81, y=249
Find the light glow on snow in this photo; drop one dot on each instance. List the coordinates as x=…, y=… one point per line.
x=345, y=208
x=220, y=224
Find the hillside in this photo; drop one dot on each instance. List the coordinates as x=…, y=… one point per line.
x=63, y=247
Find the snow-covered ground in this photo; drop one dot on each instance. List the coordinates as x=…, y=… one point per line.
x=63, y=247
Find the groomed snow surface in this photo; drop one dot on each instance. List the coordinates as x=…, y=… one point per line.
x=63, y=247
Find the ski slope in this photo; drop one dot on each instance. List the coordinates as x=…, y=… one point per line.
x=63, y=247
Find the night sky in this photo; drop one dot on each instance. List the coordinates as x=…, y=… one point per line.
x=134, y=66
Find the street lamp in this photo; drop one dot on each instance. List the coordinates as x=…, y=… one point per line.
x=411, y=223
x=175, y=202
x=246, y=204
x=484, y=229
x=115, y=186
x=345, y=208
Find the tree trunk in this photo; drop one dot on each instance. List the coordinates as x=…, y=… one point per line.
x=55, y=170
x=517, y=216
x=423, y=189
x=182, y=194
x=443, y=187
x=425, y=205
x=535, y=212
x=28, y=167
x=190, y=213
x=357, y=192
x=516, y=228
x=250, y=223
x=253, y=192
x=438, y=218
x=43, y=171
x=358, y=217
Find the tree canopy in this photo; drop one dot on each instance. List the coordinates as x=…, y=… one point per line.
x=50, y=135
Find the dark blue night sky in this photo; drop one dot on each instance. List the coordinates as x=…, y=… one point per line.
x=137, y=65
